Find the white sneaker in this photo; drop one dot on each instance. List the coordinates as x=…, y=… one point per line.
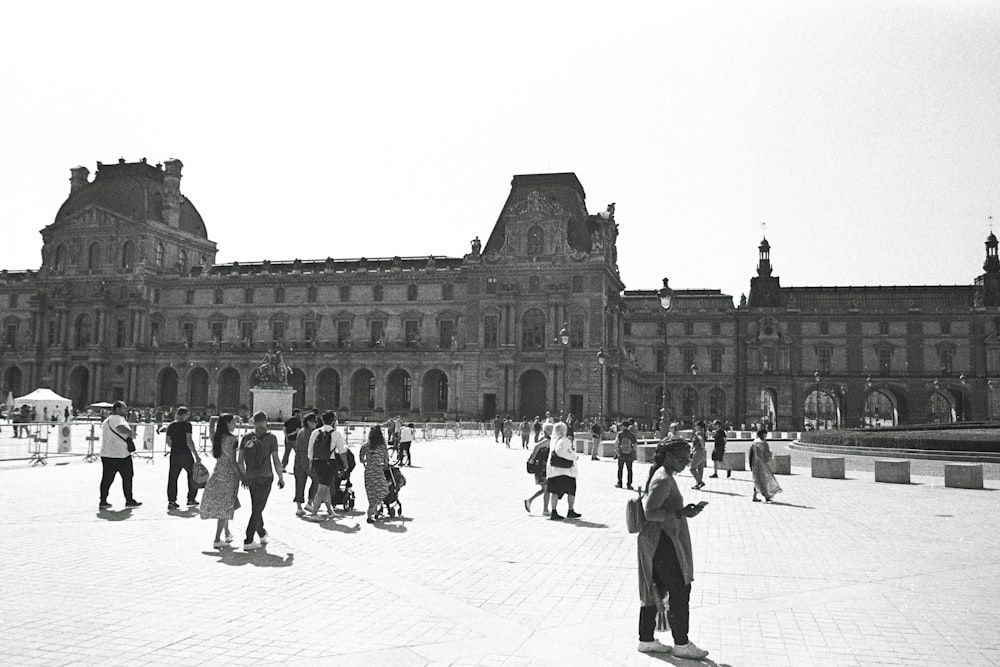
x=300, y=512
x=265, y=539
x=251, y=546
x=219, y=544
x=655, y=646
x=689, y=650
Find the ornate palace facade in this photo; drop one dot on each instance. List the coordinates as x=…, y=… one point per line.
x=129, y=303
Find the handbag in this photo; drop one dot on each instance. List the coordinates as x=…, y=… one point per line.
x=635, y=515
x=200, y=475
x=559, y=462
x=129, y=442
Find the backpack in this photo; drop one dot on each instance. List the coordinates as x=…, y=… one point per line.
x=627, y=443
x=255, y=453
x=635, y=515
x=323, y=445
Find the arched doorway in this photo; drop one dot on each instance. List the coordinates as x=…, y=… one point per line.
x=533, y=388
x=398, y=391
x=880, y=410
x=167, y=394
x=768, y=408
x=198, y=388
x=229, y=390
x=297, y=379
x=941, y=408
x=434, y=392
x=363, y=391
x=79, y=387
x=820, y=411
x=12, y=381
x=328, y=390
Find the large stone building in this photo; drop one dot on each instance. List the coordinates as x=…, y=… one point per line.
x=129, y=303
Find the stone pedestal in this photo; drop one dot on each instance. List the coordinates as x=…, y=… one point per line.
x=892, y=471
x=781, y=464
x=829, y=467
x=963, y=475
x=275, y=402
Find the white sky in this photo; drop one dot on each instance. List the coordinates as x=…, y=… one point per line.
x=866, y=134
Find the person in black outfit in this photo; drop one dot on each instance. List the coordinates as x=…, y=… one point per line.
x=183, y=456
x=292, y=427
x=719, y=452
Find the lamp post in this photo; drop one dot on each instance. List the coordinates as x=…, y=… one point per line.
x=666, y=296
x=842, y=416
x=961, y=396
x=694, y=372
x=564, y=339
x=815, y=393
x=600, y=363
x=868, y=386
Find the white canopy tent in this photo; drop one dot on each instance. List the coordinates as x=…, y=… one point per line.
x=48, y=405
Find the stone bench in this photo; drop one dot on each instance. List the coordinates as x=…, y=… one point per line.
x=646, y=453
x=583, y=445
x=735, y=460
x=963, y=475
x=781, y=464
x=892, y=471
x=828, y=467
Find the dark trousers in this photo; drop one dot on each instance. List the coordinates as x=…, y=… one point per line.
x=260, y=489
x=404, y=452
x=112, y=467
x=300, y=484
x=178, y=463
x=669, y=580
x=289, y=446
x=625, y=461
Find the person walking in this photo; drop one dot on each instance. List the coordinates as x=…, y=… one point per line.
x=375, y=457
x=497, y=428
x=596, y=434
x=539, y=460
x=292, y=426
x=301, y=467
x=537, y=427
x=327, y=454
x=763, y=477
x=405, y=442
x=698, y=455
x=525, y=432
x=116, y=459
x=508, y=431
x=719, y=452
x=183, y=456
x=220, y=499
x=258, y=460
x=666, y=563
x=625, y=452
x=561, y=474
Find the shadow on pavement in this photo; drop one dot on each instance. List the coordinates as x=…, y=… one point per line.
x=115, y=515
x=778, y=502
x=184, y=513
x=259, y=558
x=724, y=493
x=336, y=527
x=671, y=660
x=393, y=525
x=584, y=524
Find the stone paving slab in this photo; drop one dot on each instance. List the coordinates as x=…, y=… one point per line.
x=837, y=572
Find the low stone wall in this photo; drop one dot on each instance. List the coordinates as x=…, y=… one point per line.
x=828, y=467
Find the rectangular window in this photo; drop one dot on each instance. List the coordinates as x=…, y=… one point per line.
x=10, y=337
x=448, y=292
x=411, y=292
x=13, y=301
x=885, y=361
x=246, y=332
x=576, y=327
x=278, y=330
x=577, y=284
x=217, y=328
x=120, y=333
x=378, y=293
x=945, y=327
x=312, y=294
x=661, y=328
x=343, y=333
x=154, y=333
x=660, y=360
x=189, y=297
x=716, y=360
x=279, y=294
x=345, y=293
x=217, y=296
x=946, y=362
x=52, y=334
x=689, y=328
x=825, y=354
x=627, y=327
x=188, y=328
x=491, y=331
x=769, y=360
x=824, y=328
x=689, y=355
x=376, y=333
x=446, y=333
x=491, y=285
x=411, y=333
x=156, y=295
x=248, y=295
x=310, y=330
x=716, y=328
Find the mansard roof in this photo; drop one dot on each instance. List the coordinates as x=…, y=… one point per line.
x=330, y=265
x=879, y=297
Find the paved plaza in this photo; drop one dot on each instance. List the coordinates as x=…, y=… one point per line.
x=838, y=572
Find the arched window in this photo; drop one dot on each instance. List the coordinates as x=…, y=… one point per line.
x=533, y=327
x=411, y=292
x=182, y=260
x=689, y=403
x=128, y=255
x=717, y=403
x=81, y=337
x=534, y=283
x=536, y=241
x=157, y=257
x=59, y=261
x=94, y=256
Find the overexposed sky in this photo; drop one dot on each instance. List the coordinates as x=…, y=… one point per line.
x=866, y=134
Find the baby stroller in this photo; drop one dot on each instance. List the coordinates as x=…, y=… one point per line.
x=342, y=491
x=391, y=503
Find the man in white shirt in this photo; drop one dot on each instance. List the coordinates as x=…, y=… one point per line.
x=325, y=443
x=405, y=440
x=115, y=457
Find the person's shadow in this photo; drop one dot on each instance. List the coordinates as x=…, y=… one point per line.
x=393, y=524
x=782, y=504
x=185, y=513
x=335, y=526
x=115, y=515
x=579, y=523
x=722, y=493
x=683, y=662
x=259, y=558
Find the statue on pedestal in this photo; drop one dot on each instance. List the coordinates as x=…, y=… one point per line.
x=272, y=369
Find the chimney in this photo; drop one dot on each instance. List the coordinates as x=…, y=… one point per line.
x=78, y=178
x=172, y=192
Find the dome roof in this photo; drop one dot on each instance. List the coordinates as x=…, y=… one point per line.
x=134, y=190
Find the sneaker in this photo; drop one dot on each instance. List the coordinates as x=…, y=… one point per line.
x=370, y=520
x=714, y=476
x=300, y=512
x=618, y=485
x=756, y=499
x=309, y=507
x=690, y=651
x=593, y=458
x=192, y=503
x=555, y=516
x=104, y=504
x=219, y=544
x=655, y=646
x=228, y=538
x=264, y=539
x=251, y=546
x=729, y=473
x=572, y=514
x=133, y=503
x=527, y=506
x=173, y=506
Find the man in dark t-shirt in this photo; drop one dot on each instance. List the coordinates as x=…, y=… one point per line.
x=257, y=460
x=183, y=456
x=292, y=427
x=719, y=452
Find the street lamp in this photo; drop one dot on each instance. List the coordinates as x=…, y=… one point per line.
x=694, y=371
x=815, y=393
x=600, y=363
x=666, y=296
x=868, y=387
x=564, y=339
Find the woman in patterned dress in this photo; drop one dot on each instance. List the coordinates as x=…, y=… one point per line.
x=375, y=457
x=219, y=501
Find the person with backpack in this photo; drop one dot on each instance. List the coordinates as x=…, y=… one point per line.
x=666, y=563
x=625, y=452
x=292, y=426
x=258, y=460
x=537, y=463
x=301, y=469
x=327, y=455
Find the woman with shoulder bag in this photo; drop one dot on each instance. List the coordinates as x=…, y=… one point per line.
x=561, y=473
x=374, y=455
x=219, y=500
x=540, y=458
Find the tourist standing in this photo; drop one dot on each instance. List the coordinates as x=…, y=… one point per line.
x=508, y=431
x=763, y=477
x=301, y=468
x=405, y=442
x=183, y=456
x=698, y=455
x=625, y=453
x=596, y=435
x=540, y=459
x=116, y=459
x=375, y=457
x=666, y=563
x=497, y=428
x=220, y=501
x=719, y=452
x=258, y=460
x=525, y=432
x=292, y=426
x=561, y=473
x=537, y=427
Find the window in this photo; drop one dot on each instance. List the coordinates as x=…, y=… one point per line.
x=660, y=360
x=769, y=361
x=946, y=355
x=247, y=332
x=577, y=284
x=376, y=333
x=128, y=255
x=279, y=294
x=716, y=403
x=310, y=330
x=716, y=328
x=689, y=400
x=446, y=333
x=156, y=295
x=217, y=329
x=94, y=256
x=157, y=257
x=345, y=293
x=154, y=333
x=448, y=292
x=716, y=357
x=187, y=332
x=576, y=327
x=689, y=328
x=533, y=327
x=312, y=294
x=945, y=327
x=120, y=333
x=343, y=333
x=824, y=354
x=52, y=333
x=627, y=327
x=10, y=336
x=491, y=285
x=689, y=356
x=534, y=284
x=536, y=241
x=182, y=260
x=883, y=328
x=59, y=259
x=824, y=328
x=378, y=293
x=189, y=297
x=885, y=361
x=82, y=338
x=661, y=328
x=491, y=331
x=248, y=295
x=411, y=333
x=411, y=292
x=278, y=330
x=13, y=300
x=217, y=296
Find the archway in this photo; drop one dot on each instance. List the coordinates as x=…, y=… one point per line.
x=167, y=395
x=880, y=410
x=434, y=392
x=363, y=391
x=328, y=390
x=533, y=388
x=198, y=388
x=297, y=379
x=398, y=391
x=820, y=411
x=941, y=408
x=229, y=390
x=768, y=408
x=79, y=387
x=12, y=381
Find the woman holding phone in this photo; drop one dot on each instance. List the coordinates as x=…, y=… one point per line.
x=666, y=565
